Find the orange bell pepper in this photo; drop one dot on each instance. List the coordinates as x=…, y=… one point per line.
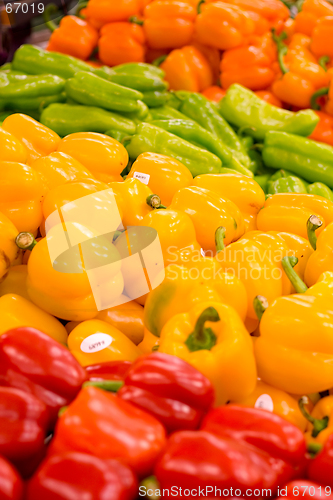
x=223, y=26
x=103, y=156
x=212, y=55
x=312, y=10
x=272, y=10
x=11, y=149
x=15, y=282
x=302, y=75
x=268, y=96
x=100, y=12
x=187, y=69
x=322, y=33
x=169, y=24
x=9, y=252
x=250, y=66
x=324, y=130
x=164, y=175
x=74, y=37
x=214, y=93
x=38, y=139
x=121, y=43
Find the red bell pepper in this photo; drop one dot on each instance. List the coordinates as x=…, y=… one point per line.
x=173, y=391
x=320, y=468
x=110, y=370
x=11, y=485
x=304, y=489
x=23, y=426
x=108, y=427
x=77, y=476
x=238, y=449
x=33, y=362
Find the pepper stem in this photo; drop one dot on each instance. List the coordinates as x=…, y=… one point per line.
x=199, y=6
x=25, y=241
x=136, y=20
x=159, y=60
x=281, y=48
x=260, y=304
x=319, y=93
x=106, y=385
x=50, y=9
x=318, y=424
x=295, y=280
x=314, y=448
x=219, y=239
x=154, y=201
x=323, y=61
x=312, y=225
x=201, y=337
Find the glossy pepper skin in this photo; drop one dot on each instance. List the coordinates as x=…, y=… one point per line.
x=288, y=184
x=266, y=456
x=11, y=485
x=324, y=130
x=312, y=10
x=223, y=26
x=272, y=10
x=320, y=468
x=9, y=252
x=121, y=43
x=110, y=370
x=168, y=24
x=321, y=260
x=219, y=211
x=67, y=119
x=139, y=76
x=24, y=421
x=71, y=475
x=74, y=37
x=101, y=12
x=149, y=138
x=210, y=119
x=224, y=348
x=187, y=69
x=87, y=346
x=11, y=148
x=162, y=174
x=320, y=189
x=59, y=377
x=168, y=388
x=304, y=157
x=39, y=140
x=15, y=282
x=243, y=108
x=109, y=427
x=29, y=87
x=133, y=195
x=322, y=32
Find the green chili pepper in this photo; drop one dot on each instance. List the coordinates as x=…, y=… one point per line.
x=262, y=180
x=242, y=107
x=142, y=113
x=144, y=80
x=155, y=98
x=204, y=112
x=286, y=173
x=116, y=134
x=288, y=184
x=67, y=119
x=304, y=157
x=256, y=164
x=17, y=86
x=6, y=66
x=156, y=140
x=246, y=141
x=24, y=104
x=139, y=69
x=320, y=189
x=167, y=113
x=195, y=134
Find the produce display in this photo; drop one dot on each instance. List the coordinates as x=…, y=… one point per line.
x=166, y=253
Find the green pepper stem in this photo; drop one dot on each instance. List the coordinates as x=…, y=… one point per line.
x=314, y=448
x=281, y=48
x=318, y=424
x=260, y=304
x=258, y=147
x=154, y=201
x=106, y=385
x=312, y=225
x=201, y=2
x=50, y=9
x=219, y=238
x=159, y=60
x=81, y=6
x=319, y=93
x=136, y=20
x=244, y=128
x=201, y=337
x=25, y=241
x=323, y=61
x=293, y=277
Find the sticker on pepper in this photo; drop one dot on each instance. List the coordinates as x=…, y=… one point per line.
x=96, y=342
x=144, y=178
x=265, y=402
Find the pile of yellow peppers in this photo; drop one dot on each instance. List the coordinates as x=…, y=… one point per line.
x=246, y=292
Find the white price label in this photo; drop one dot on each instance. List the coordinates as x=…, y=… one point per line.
x=144, y=178
x=96, y=342
x=265, y=402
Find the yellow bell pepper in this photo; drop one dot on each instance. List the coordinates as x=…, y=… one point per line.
x=37, y=139
x=59, y=168
x=209, y=211
x=103, y=156
x=149, y=342
x=163, y=174
x=9, y=252
x=319, y=421
x=16, y=311
x=15, y=282
x=299, y=248
x=322, y=259
x=212, y=338
x=272, y=399
x=243, y=191
x=21, y=193
x=11, y=149
x=95, y=341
